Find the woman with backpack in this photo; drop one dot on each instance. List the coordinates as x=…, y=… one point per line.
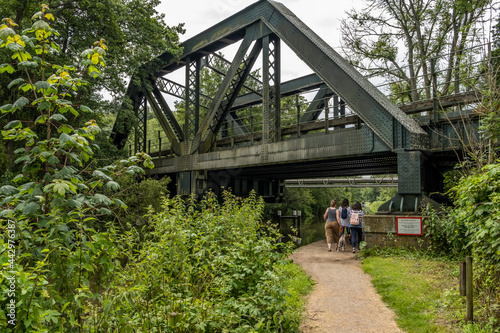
x=355, y=224
x=345, y=210
x=332, y=226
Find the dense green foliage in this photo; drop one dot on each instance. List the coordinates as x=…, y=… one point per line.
x=134, y=32
x=51, y=245
x=471, y=228
x=203, y=267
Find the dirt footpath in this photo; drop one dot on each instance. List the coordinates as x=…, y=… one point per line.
x=343, y=300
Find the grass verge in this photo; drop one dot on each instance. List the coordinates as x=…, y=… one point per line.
x=422, y=292
x=299, y=284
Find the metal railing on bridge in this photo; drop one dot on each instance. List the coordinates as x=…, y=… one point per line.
x=317, y=112
x=364, y=181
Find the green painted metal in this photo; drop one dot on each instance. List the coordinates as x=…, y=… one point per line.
x=229, y=89
x=378, y=139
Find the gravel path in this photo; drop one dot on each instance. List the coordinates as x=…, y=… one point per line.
x=343, y=299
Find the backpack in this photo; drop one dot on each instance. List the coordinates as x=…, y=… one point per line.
x=343, y=214
x=354, y=219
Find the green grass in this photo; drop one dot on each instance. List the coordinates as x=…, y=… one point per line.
x=299, y=284
x=423, y=293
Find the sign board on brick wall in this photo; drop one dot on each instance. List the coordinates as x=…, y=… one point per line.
x=409, y=226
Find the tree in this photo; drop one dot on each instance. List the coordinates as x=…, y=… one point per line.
x=133, y=30
x=397, y=40
x=50, y=216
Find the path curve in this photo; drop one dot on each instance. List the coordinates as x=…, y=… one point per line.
x=343, y=299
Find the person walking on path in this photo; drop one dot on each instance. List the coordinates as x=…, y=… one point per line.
x=332, y=226
x=345, y=211
x=355, y=224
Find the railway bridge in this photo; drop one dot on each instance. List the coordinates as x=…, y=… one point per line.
x=249, y=129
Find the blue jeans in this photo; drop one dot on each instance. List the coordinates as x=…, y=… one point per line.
x=355, y=234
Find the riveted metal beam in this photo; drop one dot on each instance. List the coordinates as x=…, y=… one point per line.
x=166, y=119
x=228, y=90
x=317, y=105
x=141, y=129
x=192, y=98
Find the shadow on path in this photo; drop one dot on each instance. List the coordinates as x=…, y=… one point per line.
x=343, y=299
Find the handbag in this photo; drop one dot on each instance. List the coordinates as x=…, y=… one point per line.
x=354, y=220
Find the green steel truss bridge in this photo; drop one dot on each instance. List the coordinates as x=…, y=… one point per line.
x=254, y=131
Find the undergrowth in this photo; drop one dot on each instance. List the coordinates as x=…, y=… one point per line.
x=422, y=287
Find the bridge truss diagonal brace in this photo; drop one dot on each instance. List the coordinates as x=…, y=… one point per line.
x=317, y=105
x=228, y=91
x=376, y=110
x=166, y=118
x=141, y=107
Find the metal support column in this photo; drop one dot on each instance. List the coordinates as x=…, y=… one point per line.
x=275, y=79
x=141, y=128
x=192, y=91
x=266, y=118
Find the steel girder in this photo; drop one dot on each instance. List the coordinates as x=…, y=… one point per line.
x=227, y=93
x=389, y=123
x=267, y=25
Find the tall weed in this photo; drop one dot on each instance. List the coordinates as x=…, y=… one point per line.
x=204, y=267
x=471, y=227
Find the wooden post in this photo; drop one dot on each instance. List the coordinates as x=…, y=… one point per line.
x=462, y=278
x=469, y=317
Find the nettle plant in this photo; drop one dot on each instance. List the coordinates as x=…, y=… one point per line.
x=63, y=253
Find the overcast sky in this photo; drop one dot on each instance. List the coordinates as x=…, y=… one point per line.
x=322, y=16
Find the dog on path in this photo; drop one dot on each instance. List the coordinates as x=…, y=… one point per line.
x=344, y=239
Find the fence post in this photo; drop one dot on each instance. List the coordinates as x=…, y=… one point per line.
x=299, y=224
x=463, y=291
x=469, y=291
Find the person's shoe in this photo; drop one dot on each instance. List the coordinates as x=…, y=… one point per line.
x=329, y=250
x=353, y=250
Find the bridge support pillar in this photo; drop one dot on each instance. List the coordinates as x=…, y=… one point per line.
x=189, y=182
x=416, y=179
x=216, y=181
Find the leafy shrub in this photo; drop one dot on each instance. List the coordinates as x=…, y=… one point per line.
x=53, y=261
x=205, y=267
x=471, y=227
x=138, y=195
